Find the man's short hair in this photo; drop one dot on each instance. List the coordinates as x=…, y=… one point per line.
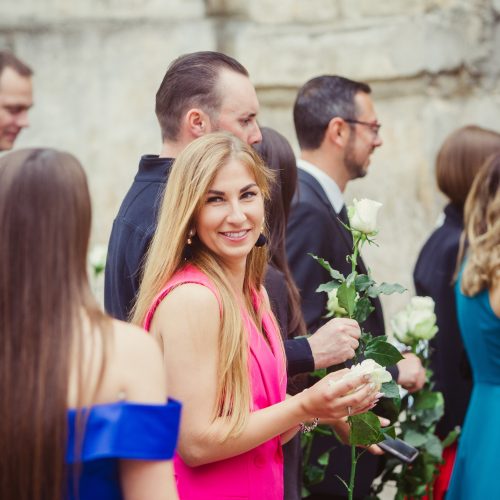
x=191, y=81
x=9, y=60
x=318, y=101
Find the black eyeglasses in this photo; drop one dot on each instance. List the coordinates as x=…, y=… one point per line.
x=374, y=126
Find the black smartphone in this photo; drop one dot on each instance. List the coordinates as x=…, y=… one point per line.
x=399, y=449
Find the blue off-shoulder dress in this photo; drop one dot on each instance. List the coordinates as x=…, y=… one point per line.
x=114, y=431
x=476, y=471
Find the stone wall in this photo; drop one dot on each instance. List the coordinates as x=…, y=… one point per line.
x=432, y=65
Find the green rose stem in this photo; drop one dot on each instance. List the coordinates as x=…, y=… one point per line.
x=357, y=242
x=353, y=467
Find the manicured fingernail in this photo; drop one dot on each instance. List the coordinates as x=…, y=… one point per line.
x=379, y=395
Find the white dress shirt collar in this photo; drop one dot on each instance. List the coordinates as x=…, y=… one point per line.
x=330, y=187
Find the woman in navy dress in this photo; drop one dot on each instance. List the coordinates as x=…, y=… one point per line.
x=475, y=474
x=82, y=397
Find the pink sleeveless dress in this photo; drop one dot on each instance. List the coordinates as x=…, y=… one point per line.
x=258, y=473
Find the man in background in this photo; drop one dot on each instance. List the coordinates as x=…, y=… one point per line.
x=16, y=98
x=338, y=131
x=201, y=92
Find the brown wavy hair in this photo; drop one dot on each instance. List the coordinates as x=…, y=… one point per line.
x=482, y=230
x=45, y=218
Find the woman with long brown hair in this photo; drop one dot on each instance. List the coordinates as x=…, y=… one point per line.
x=202, y=293
x=83, y=410
x=475, y=474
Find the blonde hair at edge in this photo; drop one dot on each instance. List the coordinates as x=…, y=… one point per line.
x=482, y=230
x=191, y=176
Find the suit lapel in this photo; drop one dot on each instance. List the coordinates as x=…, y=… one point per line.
x=346, y=238
x=315, y=186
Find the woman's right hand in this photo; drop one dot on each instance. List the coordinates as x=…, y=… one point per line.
x=333, y=398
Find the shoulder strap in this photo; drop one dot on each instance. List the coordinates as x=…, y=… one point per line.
x=188, y=274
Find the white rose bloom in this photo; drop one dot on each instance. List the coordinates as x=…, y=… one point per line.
x=422, y=324
x=333, y=304
x=422, y=303
x=400, y=327
x=377, y=373
x=97, y=256
x=363, y=215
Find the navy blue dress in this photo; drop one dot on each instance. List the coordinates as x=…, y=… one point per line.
x=114, y=431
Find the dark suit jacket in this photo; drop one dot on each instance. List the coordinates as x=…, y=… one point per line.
x=314, y=227
x=433, y=277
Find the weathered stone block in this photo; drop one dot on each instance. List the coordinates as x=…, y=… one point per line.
x=39, y=10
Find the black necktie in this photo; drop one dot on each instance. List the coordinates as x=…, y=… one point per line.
x=343, y=215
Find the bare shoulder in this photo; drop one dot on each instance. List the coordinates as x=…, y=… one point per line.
x=137, y=364
x=189, y=300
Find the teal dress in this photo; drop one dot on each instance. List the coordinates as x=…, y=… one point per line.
x=476, y=474
x=115, y=431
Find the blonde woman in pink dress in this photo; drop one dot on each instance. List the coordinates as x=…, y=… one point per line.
x=202, y=297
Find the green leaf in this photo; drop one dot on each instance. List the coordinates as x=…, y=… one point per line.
x=430, y=416
x=389, y=408
x=383, y=353
x=319, y=373
x=434, y=447
x=326, y=265
x=425, y=400
x=389, y=431
x=378, y=338
x=314, y=474
x=415, y=438
x=350, y=279
x=347, y=298
x=385, y=288
x=365, y=429
x=324, y=430
x=390, y=389
x=328, y=287
x=363, y=309
x=362, y=282
x=451, y=437
x=324, y=459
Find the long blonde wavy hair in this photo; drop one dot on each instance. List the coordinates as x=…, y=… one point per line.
x=482, y=230
x=191, y=176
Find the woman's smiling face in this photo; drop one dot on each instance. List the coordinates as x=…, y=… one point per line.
x=232, y=213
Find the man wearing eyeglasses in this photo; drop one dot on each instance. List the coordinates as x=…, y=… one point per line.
x=337, y=131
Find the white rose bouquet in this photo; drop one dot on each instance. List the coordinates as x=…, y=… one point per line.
x=416, y=322
x=414, y=326
x=97, y=258
x=351, y=296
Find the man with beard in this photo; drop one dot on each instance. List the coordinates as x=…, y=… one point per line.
x=337, y=131
x=16, y=98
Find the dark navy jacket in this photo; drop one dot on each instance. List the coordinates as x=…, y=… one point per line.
x=314, y=227
x=132, y=231
x=433, y=277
